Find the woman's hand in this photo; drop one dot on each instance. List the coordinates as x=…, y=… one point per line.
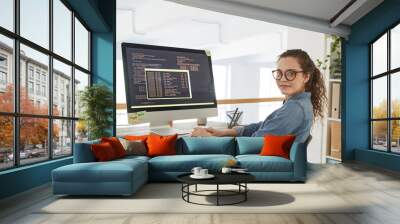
x=216, y=132
x=200, y=132
x=206, y=132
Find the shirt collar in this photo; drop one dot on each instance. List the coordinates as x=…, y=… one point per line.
x=301, y=95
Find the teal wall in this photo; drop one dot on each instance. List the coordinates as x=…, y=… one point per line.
x=100, y=17
x=356, y=99
x=24, y=178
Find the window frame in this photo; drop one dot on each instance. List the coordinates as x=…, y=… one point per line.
x=388, y=74
x=16, y=114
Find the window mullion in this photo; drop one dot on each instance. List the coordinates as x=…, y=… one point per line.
x=389, y=101
x=16, y=70
x=50, y=81
x=73, y=82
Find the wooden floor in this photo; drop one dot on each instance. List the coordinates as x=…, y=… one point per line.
x=377, y=188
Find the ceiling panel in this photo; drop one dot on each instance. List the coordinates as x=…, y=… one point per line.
x=320, y=9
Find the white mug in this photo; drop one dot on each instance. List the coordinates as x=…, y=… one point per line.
x=226, y=170
x=203, y=172
x=196, y=171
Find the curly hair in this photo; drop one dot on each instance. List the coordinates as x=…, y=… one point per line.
x=315, y=85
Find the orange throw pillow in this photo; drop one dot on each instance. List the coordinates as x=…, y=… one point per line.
x=116, y=145
x=275, y=145
x=103, y=152
x=161, y=145
x=142, y=138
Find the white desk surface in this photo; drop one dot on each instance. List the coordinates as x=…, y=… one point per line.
x=144, y=130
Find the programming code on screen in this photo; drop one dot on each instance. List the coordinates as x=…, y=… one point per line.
x=167, y=84
x=162, y=77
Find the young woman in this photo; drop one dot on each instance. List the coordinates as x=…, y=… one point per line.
x=302, y=84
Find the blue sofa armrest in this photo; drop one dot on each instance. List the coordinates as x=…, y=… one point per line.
x=298, y=155
x=83, y=152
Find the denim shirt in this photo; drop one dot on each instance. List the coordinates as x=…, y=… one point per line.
x=295, y=117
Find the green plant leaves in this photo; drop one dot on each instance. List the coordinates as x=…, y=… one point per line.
x=97, y=104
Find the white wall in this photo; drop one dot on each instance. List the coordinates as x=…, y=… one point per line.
x=313, y=44
x=244, y=46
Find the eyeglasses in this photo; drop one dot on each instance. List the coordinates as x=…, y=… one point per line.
x=289, y=74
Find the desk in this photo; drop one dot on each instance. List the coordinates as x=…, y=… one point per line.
x=144, y=130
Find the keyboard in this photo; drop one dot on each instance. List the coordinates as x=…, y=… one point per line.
x=170, y=131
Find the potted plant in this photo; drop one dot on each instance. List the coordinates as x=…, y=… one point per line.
x=96, y=102
x=334, y=58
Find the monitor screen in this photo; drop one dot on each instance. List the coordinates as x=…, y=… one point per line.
x=164, y=78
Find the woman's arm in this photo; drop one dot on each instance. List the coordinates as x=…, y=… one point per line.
x=287, y=121
x=247, y=130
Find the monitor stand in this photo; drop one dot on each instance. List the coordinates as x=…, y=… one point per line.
x=165, y=128
x=202, y=121
x=159, y=124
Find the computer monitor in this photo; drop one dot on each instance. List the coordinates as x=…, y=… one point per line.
x=166, y=83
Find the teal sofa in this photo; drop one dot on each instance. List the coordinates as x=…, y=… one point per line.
x=125, y=176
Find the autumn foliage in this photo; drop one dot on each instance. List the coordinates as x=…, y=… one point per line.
x=380, y=127
x=33, y=131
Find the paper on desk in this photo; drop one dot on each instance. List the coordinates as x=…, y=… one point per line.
x=136, y=118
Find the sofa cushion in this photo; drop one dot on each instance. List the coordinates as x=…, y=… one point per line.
x=249, y=145
x=257, y=163
x=159, y=145
x=134, y=147
x=277, y=145
x=103, y=152
x=206, y=145
x=83, y=152
x=116, y=145
x=185, y=163
x=120, y=170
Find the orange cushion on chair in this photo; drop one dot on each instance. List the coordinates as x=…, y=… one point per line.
x=103, y=152
x=275, y=145
x=116, y=145
x=161, y=145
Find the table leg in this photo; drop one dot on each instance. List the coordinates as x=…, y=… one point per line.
x=245, y=193
x=196, y=188
x=188, y=190
x=217, y=194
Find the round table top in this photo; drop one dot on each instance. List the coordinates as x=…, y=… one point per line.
x=220, y=178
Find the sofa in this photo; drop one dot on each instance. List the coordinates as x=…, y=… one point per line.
x=126, y=175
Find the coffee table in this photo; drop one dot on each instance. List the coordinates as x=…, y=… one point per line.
x=238, y=179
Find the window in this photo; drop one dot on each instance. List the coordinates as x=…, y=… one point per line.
x=81, y=81
x=30, y=87
x=30, y=72
x=38, y=89
x=3, y=78
x=385, y=97
x=62, y=29
x=3, y=72
x=35, y=21
x=37, y=74
x=62, y=137
x=45, y=131
x=3, y=61
x=44, y=91
x=81, y=45
x=6, y=73
x=6, y=142
x=7, y=14
x=33, y=148
x=62, y=74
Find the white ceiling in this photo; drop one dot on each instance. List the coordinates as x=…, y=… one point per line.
x=314, y=15
x=160, y=22
x=223, y=25
x=320, y=9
